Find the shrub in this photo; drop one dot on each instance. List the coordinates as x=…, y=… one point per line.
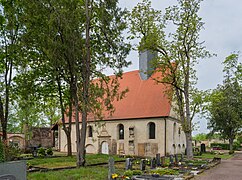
x=128, y=173
x=49, y=151
x=41, y=152
x=1, y=152
x=11, y=152
x=231, y=152
x=225, y=146
x=164, y=171
x=137, y=172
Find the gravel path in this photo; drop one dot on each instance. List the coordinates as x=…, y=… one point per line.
x=230, y=169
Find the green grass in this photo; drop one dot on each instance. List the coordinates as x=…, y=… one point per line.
x=86, y=173
x=65, y=161
x=211, y=156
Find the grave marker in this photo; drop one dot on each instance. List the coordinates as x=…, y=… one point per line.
x=153, y=163
x=128, y=164
x=142, y=164
x=111, y=169
x=158, y=162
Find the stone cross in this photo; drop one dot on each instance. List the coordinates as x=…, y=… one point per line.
x=111, y=169
x=142, y=164
x=128, y=164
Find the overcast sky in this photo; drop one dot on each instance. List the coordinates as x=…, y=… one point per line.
x=222, y=36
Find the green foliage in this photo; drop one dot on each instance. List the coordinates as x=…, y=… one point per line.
x=41, y=151
x=86, y=173
x=11, y=152
x=49, y=151
x=225, y=102
x=231, y=151
x=2, y=158
x=225, y=146
x=164, y=171
x=131, y=173
x=178, y=52
x=200, y=137
x=128, y=173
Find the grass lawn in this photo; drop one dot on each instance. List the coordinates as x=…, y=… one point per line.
x=65, y=161
x=86, y=173
x=211, y=156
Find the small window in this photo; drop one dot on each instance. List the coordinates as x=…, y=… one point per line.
x=179, y=131
x=90, y=134
x=151, y=127
x=121, y=131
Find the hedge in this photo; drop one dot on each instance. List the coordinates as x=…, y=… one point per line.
x=224, y=146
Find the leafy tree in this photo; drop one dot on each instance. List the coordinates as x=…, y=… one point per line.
x=75, y=40
x=10, y=31
x=178, y=52
x=200, y=137
x=225, y=102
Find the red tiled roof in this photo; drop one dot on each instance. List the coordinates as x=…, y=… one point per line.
x=145, y=99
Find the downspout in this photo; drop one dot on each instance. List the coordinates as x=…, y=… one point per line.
x=165, y=139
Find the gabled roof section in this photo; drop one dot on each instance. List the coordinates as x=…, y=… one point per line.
x=145, y=98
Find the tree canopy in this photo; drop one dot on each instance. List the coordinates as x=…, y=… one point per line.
x=225, y=102
x=178, y=52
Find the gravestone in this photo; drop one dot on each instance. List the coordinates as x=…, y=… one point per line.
x=203, y=148
x=158, y=162
x=128, y=164
x=13, y=169
x=171, y=160
x=182, y=157
x=142, y=164
x=111, y=169
x=176, y=159
x=153, y=163
x=163, y=159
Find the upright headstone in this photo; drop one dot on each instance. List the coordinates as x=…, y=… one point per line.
x=128, y=164
x=163, y=159
x=203, y=148
x=111, y=169
x=182, y=157
x=171, y=160
x=158, y=162
x=153, y=163
x=142, y=164
x=176, y=159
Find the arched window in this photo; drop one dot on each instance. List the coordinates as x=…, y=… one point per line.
x=151, y=128
x=121, y=131
x=90, y=131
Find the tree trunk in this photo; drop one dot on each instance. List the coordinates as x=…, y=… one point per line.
x=78, y=155
x=231, y=141
x=3, y=122
x=69, y=148
x=189, y=151
x=86, y=81
x=66, y=130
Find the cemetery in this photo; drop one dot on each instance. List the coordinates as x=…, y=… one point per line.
x=46, y=164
